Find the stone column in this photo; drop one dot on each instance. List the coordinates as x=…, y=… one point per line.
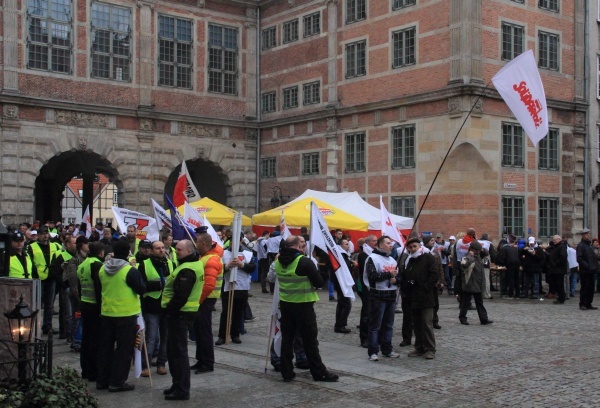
x=465, y=41
x=251, y=62
x=332, y=48
x=145, y=58
x=11, y=50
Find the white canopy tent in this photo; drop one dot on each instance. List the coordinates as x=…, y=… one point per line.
x=353, y=203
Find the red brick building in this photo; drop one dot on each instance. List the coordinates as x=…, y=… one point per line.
x=334, y=95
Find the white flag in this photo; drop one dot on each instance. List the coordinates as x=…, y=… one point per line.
x=88, y=222
x=521, y=87
x=276, y=326
x=191, y=216
x=162, y=218
x=145, y=225
x=321, y=237
x=211, y=231
x=137, y=348
x=388, y=227
x=285, y=231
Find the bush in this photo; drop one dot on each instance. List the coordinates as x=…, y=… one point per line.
x=64, y=390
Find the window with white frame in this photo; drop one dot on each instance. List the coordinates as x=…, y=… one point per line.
x=175, y=45
x=267, y=167
x=290, y=97
x=548, y=46
x=222, y=59
x=404, y=43
x=310, y=163
x=398, y=4
x=312, y=24
x=548, y=217
x=290, y=31
x=548, y=151
x=513, y=145
x=49, y=35
x=356, y=56
x=356, y=10
x=355, y=145
x=111, y=42
x=551, y=5
x=513, y=36
x=513, y=218
x=268, y=102
x=403, y=147
x=311, y=93
x=598, y=74
x=403, y=206
x=269, y=38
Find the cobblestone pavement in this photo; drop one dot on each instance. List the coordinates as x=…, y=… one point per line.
x=536, y=354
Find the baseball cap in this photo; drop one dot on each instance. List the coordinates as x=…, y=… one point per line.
x=584, y=231
x=439, y=235
x=33, y=232
x=43, y=230
x=452, y=238
x=145, y=243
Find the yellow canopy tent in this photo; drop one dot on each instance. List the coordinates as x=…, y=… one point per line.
x=297, y=214
x=216, y=213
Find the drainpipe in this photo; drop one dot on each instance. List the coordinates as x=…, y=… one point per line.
x=258, y=109
x=587, y=145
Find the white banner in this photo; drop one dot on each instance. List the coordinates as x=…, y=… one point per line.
x=285, y=231
x=145, y=225
x=137, y=349
x=88, y=222
x=162, y=218
x=521, y=87
x=388, y=227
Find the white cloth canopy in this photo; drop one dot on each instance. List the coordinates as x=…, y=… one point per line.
x=353, y=203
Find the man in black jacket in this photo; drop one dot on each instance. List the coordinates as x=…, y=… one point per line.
x=588, y=267
x=558, y=266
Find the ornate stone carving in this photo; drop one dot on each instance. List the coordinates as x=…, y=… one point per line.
x=478, y=104
x=200, y=152
x=194, y=129
x=251, y=134
x=146, y=125
x=11, y=111
x=82, y=143
x=81, y=119
x=331, y=124
x=291, y=3
x=201, y=3
x=251, y=13
x=454, y=105
x=580, y=120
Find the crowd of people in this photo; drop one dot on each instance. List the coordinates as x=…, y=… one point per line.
x=104, y=281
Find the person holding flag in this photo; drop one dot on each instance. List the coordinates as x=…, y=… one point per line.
x=298, y=279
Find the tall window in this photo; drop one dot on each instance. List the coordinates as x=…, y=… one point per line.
x=312, y=24
x=290, y=31
x=551, y=5
x=310, y=163
x=403, y=206
x=512, y=41
x=548, y=151
x=49, y=41
x=356, y=56
x=290, y=97
x=513, y=145
x=267, y=167
x=403, y=147
x=311, y=93
x=111, y=42
x=598, y=70
x=175, y=52
x=222, y=59
x=513, y=215
x=269, y=38
x=548, y=50
x=268, y=102
x=356, y=10
x=548, y=217
x=355, y=152
x=404, y=47
x=403, y=3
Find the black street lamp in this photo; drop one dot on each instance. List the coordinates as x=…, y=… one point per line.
x=21, y=322
x=277, y=198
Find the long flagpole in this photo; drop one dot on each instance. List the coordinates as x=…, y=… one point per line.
x=269, y=342
x=146, y=355
x=235, y=246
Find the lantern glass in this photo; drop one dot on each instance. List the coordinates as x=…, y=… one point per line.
x=21, y=321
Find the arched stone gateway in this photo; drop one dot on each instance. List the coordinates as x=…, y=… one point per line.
x=210, y=180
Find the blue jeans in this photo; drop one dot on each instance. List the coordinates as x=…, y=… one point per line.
x=156, y=326
x=48, y=293
x=381, y=325
x=447, y=276
x=330, y=287
x=572, y=281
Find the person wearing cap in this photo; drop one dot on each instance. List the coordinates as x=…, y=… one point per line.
x=20, y=265
x=42, y=253
x=144, y=252
x=472, y=284
x=33, y=236
x=429, y=243
x=419, y=277
x=588, y=267
x=52, y=227
x=210, y=256
x=441, y=247
x=532, y=261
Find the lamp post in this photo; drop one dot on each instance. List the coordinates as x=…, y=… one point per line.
x=277, y=198
x=21, y=322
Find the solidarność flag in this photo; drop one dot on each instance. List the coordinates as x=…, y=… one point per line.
x=185, y=190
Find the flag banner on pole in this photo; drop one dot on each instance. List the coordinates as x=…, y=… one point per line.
x=185, y=190
x=212, y=232
x=236, y=231
x=387, y=225
x=321, y=237
x=145, y=225
x=191, y=216
x=276, y=326
x=179, y=225
x=520, y=85
x=285, y=231
x=88, y=222
x=162, y=218
x=137, y=348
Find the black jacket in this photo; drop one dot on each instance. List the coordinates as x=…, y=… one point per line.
x=149, y=304
x=558, y=262
x=419, y=281
x=532, y=261
x=587, y=258
x=182, y=287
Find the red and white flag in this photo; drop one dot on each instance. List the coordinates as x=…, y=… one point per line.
x=388, y=227
x=521, y=87
x=185, y=190
x=275, y=329
x=137, y=348
x=321, y=237
x=193, y=218
x=285, y=231
x=145, y=225
x=88, y=222
x=162, y=218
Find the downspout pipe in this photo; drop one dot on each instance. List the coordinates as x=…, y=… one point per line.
x=588, y=135
x=258, y=109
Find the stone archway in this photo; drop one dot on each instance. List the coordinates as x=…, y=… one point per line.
x=209, y=178
x=59, y=170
